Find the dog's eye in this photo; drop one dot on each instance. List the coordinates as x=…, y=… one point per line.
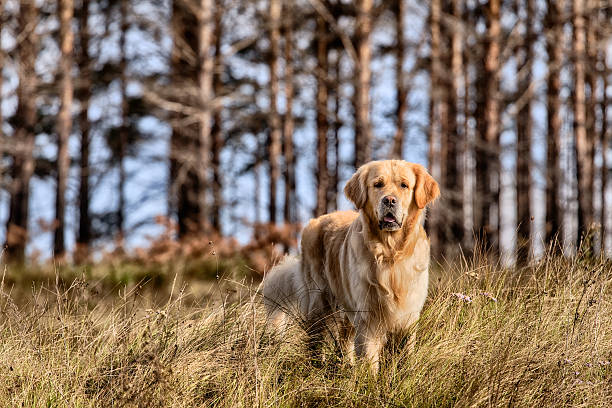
x=379, y=184
x=404, y=185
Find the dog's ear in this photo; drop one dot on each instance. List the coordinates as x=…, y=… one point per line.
x=356, y=189
x=426, y=189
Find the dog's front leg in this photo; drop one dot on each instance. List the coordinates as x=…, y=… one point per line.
x=369, y=341
x=347, y=341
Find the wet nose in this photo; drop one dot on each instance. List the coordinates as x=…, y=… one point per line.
x=389, y=201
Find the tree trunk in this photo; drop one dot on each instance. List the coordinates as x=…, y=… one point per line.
x=205, y=81
x=438, y=116
x=454, y=169
x=23, y=159
x=274, y=146
x=604, y=152
x=2, y=140
x=592, y=25
x=523, y=140
x=125, y=123
x=443, y=90
x=288, y=123
x=64, y=123
x=480, y=202
x=332, y=196
x=554, y=49
x=217, y=130
x=361, y=99
x=259, y=153
x=468, y=150
x=322, y=124
x=487, y=144
x=584, y=169
x=492, y=118
x=185, y=170
x=84, y=233
x=401, y=90
x=604, y=16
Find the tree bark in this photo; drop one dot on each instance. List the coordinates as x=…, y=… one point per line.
x=584, y=169
x=185, y=170
x=259, y=153
x=480, y=204
x=274, y=146
x=217, y=129
x=401, y=90
x=438, y=116
x=454, y=137
x=288, y=123
x=592, y=24
x=84, y=233
x=322, y=124
x=23, y=159
x=125, y=122
x=554, y=49
x=205, y=81
x=487, y=144
x=591, y=103
x=523, y=140
x=361, y=99
x=604, y=152
x=604, y=16
x=332, y=196
x=2, y=140
x=64, y=123
x=492, y=117
x=468, y=133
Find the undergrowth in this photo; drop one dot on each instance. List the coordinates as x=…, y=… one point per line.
x=488, y=336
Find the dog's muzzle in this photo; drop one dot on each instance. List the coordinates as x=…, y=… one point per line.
x=389, y=215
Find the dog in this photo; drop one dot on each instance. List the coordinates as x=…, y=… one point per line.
x=366, y=269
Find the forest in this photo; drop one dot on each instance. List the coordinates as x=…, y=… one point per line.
x=239, y=118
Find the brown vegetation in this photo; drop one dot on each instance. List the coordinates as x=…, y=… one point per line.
x=487, y=337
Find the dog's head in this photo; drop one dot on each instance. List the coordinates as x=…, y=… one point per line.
x=391, y=192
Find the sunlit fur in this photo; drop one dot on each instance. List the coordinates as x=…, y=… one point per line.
x=372, y=280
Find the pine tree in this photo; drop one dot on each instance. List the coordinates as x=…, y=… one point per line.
x=25, y=119
x=84, y=94
x=523, y=137
x=274, y=147
x=401, y=90
x=453, y=177
x=554, y=49
x=217, y=129
x=64, y=122
x=584, y=168
x=185, y=184
x=361, y=98
x=322, y=123
x=288, y=120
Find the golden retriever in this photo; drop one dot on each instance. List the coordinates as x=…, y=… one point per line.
x=366, y=269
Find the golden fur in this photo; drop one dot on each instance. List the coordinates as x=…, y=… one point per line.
x=356, y=267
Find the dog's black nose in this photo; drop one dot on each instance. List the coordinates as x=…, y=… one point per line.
x=389, y=201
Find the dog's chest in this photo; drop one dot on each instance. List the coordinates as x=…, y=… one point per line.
x=406, y=278
x=407, y=281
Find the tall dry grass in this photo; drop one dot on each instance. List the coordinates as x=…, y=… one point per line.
x=488, y=336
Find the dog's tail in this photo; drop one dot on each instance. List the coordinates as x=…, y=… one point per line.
x=280, y=290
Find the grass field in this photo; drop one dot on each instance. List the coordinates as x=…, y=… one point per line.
x=488, y=336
